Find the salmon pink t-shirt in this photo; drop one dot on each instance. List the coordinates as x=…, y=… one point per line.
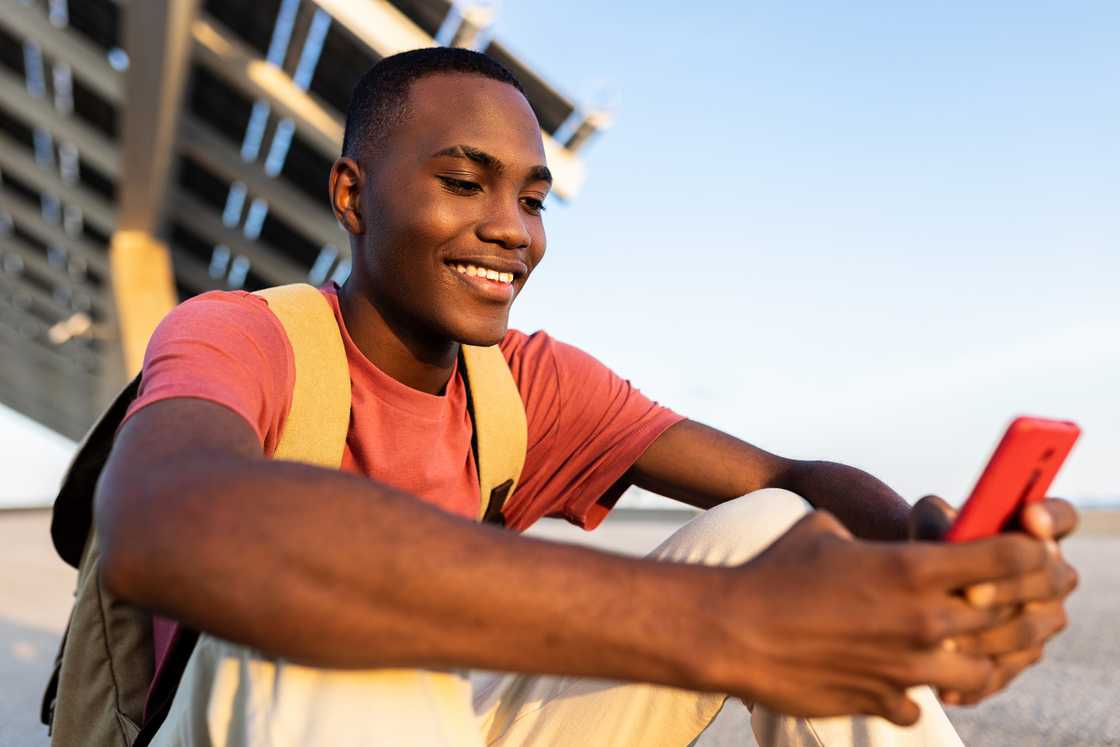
x=586, y=425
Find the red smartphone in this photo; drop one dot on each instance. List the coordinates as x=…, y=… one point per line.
x=1020, y=472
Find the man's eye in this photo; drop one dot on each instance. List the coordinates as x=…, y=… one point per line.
x=535, y=206
x=460, y=186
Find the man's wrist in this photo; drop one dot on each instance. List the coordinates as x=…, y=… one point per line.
x=727, y=643
x=706, y=644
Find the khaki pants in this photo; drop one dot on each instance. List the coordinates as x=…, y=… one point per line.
x=231, y=696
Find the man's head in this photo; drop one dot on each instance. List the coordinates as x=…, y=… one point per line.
x=440, y=184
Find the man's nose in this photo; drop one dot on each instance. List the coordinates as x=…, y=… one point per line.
x=505, y=225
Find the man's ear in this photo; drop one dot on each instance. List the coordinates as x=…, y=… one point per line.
x=345, y=193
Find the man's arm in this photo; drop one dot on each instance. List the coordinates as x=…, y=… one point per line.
x=704, y=467
x=331, y=569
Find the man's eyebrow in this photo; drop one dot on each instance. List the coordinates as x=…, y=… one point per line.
x=540, y=174
x=481, y=157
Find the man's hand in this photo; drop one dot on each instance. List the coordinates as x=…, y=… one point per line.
x=1017, y=643
x=837, y=626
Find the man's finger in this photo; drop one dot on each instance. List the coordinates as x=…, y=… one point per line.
x=930, y=518
x=1055, y=580
x=941, y=668
x=1037, y=624
x=1053, y=518
x=1008, y=667
x=944, y=616
x=956, y=566
x=898, y=708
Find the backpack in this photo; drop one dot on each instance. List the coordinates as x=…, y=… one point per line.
x=102, y=678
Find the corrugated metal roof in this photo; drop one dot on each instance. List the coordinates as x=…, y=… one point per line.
x=246, y=205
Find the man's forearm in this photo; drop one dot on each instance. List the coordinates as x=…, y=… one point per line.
x=330, y=569
x=863, y=503
x=704, y=467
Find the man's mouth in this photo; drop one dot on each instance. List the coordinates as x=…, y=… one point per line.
x=496, y=286
x=483, y=273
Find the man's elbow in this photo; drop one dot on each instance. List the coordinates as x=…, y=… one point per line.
x=120, y=561
x=117, y=575
x=143, y=520
x=129, y=515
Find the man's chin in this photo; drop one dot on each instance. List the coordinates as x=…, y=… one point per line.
x=481, y=331
x=482, y=339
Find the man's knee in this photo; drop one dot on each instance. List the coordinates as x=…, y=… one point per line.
x=737, y=530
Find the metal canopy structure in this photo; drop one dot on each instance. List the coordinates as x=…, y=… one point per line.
x=150, y=151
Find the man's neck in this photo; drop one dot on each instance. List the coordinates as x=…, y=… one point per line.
x=415, y=360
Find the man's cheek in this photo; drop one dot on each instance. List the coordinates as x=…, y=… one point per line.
x=433, y=218
x=535, y=257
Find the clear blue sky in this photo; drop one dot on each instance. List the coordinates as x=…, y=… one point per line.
x=869, y=232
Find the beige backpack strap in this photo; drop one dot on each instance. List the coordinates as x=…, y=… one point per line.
x=500, y=429
x=316, y=426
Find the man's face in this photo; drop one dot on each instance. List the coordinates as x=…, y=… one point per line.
x=452, y=208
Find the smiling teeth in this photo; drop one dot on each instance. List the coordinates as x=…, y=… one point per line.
x=484, y=272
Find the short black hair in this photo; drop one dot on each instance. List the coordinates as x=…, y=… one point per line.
x=380, y=99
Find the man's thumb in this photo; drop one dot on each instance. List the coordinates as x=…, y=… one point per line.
x=930, y=518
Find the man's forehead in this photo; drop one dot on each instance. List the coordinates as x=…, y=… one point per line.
x=448, y=110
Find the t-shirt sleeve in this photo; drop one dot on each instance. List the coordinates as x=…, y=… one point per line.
x=227, y=348
x=587, y=426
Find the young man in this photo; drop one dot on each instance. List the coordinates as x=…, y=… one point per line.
x=309, y=583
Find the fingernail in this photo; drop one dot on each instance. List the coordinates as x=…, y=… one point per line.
x=949, y=644
x=1042, y=520
x=1052, y=548
x=981, y=595
x=952, y=697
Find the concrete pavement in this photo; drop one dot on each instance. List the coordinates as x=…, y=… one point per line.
x=1071, y=700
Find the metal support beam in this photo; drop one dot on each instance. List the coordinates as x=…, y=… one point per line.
x=475, y=18
x=37, y=356
x=193, y=273
x=95, y=209
x=158, y=34
x=157, y=39
x=568, y=172
x=40, y=266
x=94, y=147
x=212, y=150
x=17, y=283
x=301, y=28
x=73, y=353
x=381, y=27
x=82, y=56
x=15, y=321
x=221, y=52
x=378, y=24
x=594, y=123
x=31, y=220
x=269, y=263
